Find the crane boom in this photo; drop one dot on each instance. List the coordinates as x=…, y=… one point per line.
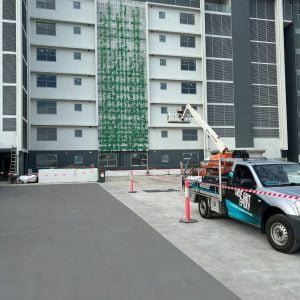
x=207, y=129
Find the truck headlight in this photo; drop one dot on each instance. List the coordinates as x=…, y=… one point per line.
x=297, y=204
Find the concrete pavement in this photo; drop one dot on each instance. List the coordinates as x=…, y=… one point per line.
x=78, y=242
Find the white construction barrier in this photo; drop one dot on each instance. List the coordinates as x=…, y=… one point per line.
x=151, y=172
x=68, y=175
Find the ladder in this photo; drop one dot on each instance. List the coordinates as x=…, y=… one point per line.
x=13, y=161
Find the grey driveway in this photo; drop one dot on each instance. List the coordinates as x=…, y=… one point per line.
x=78, y=242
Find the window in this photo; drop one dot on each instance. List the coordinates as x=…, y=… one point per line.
x=77, y=55
x=162, y=38
x=165, y=158
x=190, y=135
x=77, y=81
x=164, y=133
x=162, y=15
x=45, y=28
x=108, y=160
x=243, y=172
x=77, y=30
x=163, y=86
x=188, y=64
x=77, y=107
x=48, y=4
x=164, y=110
x=46, y=134
x=78, y=133
x=46, y=54
x=44, y=80
x=76, y=5
x=187, y=41
x=163, y=62
x=139, y=159
x=188, y=88
x=46, y=107
x=46, y=161
x=78, y=159
x=187, y=19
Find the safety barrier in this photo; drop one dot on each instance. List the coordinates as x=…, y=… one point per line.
x=250, y=191
x=68, y=175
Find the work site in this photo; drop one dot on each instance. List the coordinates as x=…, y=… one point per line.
x=149, y=150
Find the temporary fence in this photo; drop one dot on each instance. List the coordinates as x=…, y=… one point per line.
x=68, y=175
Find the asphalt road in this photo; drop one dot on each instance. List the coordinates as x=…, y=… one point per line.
x=69, y=242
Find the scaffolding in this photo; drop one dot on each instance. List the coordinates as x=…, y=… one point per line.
x=122, y=76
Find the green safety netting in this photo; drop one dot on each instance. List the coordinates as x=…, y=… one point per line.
x=122, y=76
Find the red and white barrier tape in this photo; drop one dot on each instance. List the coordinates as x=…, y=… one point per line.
x=279, y=195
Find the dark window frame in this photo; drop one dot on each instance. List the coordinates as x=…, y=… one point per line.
x=189, y=88
x=46, y=54
x=48, y=107
x=78, y=133
x=188, y=41
x=77, y=30
x=51, y=163
x=189, y=134
x=46, y=4
x=188, y=64
x=43, y=134
x=46, y=80
x=186, y=18
x=45, y=28
x=164, y=134
x=76, y=106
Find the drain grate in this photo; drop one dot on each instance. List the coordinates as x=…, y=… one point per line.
x=161, y=191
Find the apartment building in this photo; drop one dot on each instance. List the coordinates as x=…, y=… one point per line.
x=13, y=86
x=63, y=90
x=101, y=87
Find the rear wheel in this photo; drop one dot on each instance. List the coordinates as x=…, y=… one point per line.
x=280, y=234
x=204, y=208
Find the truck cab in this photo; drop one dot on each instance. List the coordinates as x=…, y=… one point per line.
x=258, y=192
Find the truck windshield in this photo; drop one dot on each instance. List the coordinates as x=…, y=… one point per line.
x=278, y=174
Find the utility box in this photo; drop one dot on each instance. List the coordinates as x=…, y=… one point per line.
x=101, y=175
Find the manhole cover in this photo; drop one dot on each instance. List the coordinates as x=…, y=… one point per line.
x=161, y=191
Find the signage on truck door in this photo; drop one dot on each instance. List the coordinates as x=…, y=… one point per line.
x=240, y=204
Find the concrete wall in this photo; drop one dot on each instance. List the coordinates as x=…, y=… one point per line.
x=65, y=62
x=66, y=139
x=65, y=88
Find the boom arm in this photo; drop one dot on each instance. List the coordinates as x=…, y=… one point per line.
x=207, y=129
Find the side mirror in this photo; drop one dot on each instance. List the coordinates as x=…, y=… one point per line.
x=248, y=183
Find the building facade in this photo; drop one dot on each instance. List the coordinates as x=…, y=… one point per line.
x=13, y=86
x=63, y=90
x=105, y=74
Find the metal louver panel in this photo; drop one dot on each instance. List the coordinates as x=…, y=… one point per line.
x=264, y=95
x=9, y=68
x=262, y=9
x=264, y=74
x=219, y=70
x=225, y=132
x=9, y=124
x=265, y=117
x=263, y=52
x=219, y=92
x=9, y=9
x=220, y=115
x=288, y=10
x=9, y=100
x=218, y=47
x=266, y=133
x=217, y=24
x=9, y=37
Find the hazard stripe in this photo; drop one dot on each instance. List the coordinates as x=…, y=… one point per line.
x=279, y=195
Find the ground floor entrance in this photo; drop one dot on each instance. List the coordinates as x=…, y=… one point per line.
x=4, y=164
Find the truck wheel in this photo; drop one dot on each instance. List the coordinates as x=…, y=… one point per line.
x=204, y=209
x=280, y=234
